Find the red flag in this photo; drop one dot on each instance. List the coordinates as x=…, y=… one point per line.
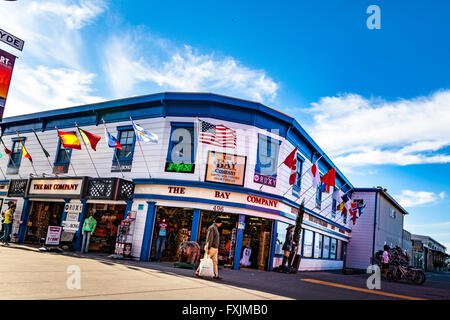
x=291, y=162
x=89, y=138
x=353, y=211
x=8, y=152
x=329, y=179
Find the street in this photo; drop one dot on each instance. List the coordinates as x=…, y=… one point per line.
x=30, y=274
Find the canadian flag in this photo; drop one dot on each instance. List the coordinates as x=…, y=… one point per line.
x=291, y=162
x=354, y=211
x=314, y=171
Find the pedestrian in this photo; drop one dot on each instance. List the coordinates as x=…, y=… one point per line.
x=212, y=246
x=161, y=238
x=7, y=223
x=288, y=245
x=2, y=218
x=385, y=260
x=88, y=228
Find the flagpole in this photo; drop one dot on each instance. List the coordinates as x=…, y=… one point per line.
x=140, y=147
x=10, y=158
x=67, y=153
x=39, y=141
x=87, y=149
x=115, y=155
x=23, y=146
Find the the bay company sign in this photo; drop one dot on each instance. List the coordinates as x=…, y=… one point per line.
x=56, y=188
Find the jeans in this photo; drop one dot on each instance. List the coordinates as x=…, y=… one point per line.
x=86, y=239
x=6, y=232
x=160, y=242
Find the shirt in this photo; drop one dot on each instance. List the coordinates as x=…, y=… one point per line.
x=385, y=257
x=162, y=226
x=212, y=237
x=8, y=216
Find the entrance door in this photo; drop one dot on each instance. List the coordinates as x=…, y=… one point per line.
x=256, y=243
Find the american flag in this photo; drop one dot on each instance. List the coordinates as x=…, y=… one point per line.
x=217, y=135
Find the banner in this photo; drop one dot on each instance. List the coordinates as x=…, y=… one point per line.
x=225, y=168
x=6, y=68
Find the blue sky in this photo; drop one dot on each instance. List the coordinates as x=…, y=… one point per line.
x=377, y=101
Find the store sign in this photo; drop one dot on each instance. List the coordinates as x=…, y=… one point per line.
x=61, y=169
x=121, y=167
x=262, y=201
x=53, y=235
x=265, y=180
x=72, y=216
x=57, y=188
x=180, y=167
x=73, y=207
x=70, y=226
x=225, y=168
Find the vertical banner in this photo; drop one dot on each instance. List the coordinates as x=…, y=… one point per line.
x=6, y=68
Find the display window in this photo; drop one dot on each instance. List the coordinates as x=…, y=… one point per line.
x=281, y=237
x=172, y=227
x=108, y=217
x=307, y=243
x=42, y=215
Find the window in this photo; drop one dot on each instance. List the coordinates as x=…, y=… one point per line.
x=319, y=196
x=281, y=237
x=333, y=208
x=16, y=156
x=62, y=154
x=181, y=151
x=318, y=240
x=298, y=179
x=307, y=244
x=326, y=247
x=333, y=249
x=344, y=219
x=126, y=139
x=267, y=157
x=392, y=213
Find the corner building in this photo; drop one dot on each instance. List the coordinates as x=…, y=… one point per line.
x=187, y=182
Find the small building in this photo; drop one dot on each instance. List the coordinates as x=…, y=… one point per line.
x=380, y=223
x=429, y=254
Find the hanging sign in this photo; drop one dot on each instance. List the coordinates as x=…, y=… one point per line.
x=71, y=226
x=11, y=40
x=73, y=207
x=225, y=168
x=6, y=68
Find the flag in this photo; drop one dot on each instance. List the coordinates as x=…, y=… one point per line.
x=314, y=171
x=337, y=194
x=345, y=198
x=89, y=138
x=42, y=147
x=343, y=208
x=291, y=162
x=329, y=179
x=69, y=140
x=26, y=154
x=8, y=152
x=217, y=135
x=143, y=134
x=361, y=210
x=112, y=141
x=354, y=211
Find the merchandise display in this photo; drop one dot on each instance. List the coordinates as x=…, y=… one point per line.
x=42, y=215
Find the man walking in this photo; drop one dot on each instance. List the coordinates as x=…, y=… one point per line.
x=212, y=246
x=7, y=223
x=88, y=228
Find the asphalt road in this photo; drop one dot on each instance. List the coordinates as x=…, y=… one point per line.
x=30, y=274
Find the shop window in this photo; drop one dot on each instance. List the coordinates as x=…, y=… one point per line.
x=267, y=156
x=42, y=215
x=333, y=248
x=307, y=244
x=318, y=240
x=127, y=140
x=16, y=150
x=281, y=237
x=181, y=151
x=298, y=180
x=326, y=247
x=62, y=154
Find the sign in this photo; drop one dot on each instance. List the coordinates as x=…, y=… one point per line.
x=262, y=201
x=140, y=206
x=225, y=168
x=72, y=216
x=11, y=40
x=53, y=235
x=6, y=68
x=71, y=226
x=180, y=167
x=56, y=188
x=73, y=207
x=265, y=180
x=121, y=167
x=132, y=215
x=64, y=168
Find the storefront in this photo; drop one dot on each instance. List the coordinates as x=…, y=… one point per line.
x=42, y=215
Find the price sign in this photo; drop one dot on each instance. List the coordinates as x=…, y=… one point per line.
x=53, y=235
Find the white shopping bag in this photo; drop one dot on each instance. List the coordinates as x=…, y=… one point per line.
x=206, y=268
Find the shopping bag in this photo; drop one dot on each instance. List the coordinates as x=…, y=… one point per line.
x=206, y=268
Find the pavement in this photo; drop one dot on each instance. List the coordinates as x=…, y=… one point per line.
x=28, y=273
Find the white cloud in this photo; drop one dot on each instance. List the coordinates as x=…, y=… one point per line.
x=44, y=88
x=409, y=198
x=168, y=67
x=357, y=131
